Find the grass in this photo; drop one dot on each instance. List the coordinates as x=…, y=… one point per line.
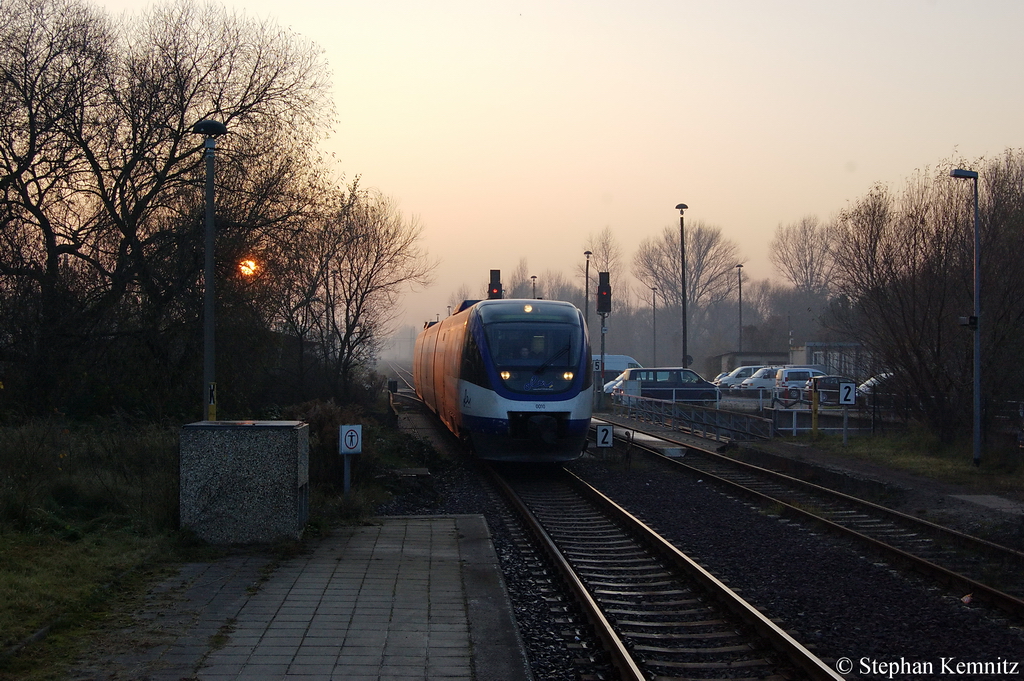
x=88, y=521
x=1002, y=468
x=44, y=578
x=68, y=591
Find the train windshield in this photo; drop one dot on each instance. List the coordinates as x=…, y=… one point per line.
x=535, y=353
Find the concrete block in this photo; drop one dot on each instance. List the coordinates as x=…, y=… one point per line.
x=244, y=482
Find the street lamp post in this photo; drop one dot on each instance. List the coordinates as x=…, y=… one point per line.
x=975, y=321
x=586, y=291
x=654, y=325
x=586, y=309
x=682, y=266
x=739, y=280
x=211, y=130
x=534, y=277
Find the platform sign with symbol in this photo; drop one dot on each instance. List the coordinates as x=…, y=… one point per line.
x=604, y=435
x=350, y=439
x=847, y=393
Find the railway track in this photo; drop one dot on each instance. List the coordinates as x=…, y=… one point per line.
x=403, y=374
x=658, y=614
x=988, y=571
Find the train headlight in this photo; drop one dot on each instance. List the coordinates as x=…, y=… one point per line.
x=567, y=375
x=505, y=375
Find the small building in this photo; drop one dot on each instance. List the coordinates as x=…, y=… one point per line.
x=844, y=359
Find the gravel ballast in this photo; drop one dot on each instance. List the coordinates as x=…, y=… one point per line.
x=849, y=607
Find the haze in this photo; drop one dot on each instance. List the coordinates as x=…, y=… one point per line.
x=514, y=130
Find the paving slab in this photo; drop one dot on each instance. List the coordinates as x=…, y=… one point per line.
x=400, y=597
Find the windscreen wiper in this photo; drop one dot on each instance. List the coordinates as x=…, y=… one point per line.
x=565, y=349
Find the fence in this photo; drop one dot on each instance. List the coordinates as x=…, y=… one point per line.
x=706, y=422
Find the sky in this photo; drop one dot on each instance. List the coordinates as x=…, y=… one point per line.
x=518, y=129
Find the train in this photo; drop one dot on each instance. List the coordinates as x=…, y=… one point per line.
x=511, y=378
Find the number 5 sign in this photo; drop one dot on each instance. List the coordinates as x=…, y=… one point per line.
x=605, y=434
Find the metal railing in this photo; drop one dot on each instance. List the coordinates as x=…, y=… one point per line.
x=706, y=422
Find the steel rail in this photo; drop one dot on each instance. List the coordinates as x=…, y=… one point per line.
x=948, y=532
x=402, y=373
x=1006, y=602
x=621, y=659
x=782, y=642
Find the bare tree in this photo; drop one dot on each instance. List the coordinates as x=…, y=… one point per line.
x=519, y=283
x=802, y=253
x=101, y=175
x=606, y=256
x=180, y=63
x=905, y=271
x=461, y=294
x=710, y=265
x=554, y=285
x=365, y=282
x=51, y=53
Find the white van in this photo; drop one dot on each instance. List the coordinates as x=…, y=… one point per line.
x=614, y=365
x=762, y=379
x=795, y=377
x=737, y=376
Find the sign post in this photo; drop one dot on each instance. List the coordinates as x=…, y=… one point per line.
x=814, y=412
x=350, y=441
x=847, y=396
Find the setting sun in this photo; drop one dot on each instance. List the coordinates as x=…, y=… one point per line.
x=248, y=268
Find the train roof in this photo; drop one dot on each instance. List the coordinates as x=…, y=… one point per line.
x=522, y=309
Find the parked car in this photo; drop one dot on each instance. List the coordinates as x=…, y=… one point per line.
x=762, y=379
x=827, y=387
x=874, y=384
x=611, y=385
x=667, y=383
x=719, y=377
x=795, y=377
x=736, y=376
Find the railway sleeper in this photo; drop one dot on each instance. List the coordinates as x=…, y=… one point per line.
x=637, y=594
x=668, y=625
x=657, y=636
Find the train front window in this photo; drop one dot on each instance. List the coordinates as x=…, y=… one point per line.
x=535, y=357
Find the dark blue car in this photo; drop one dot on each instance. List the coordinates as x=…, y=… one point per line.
x=675, y=384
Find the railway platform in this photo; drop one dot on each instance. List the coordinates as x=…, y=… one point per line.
x=401, y=597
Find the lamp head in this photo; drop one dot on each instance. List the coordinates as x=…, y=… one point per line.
x=210, y=128
x=681, y=207
x=961, y=174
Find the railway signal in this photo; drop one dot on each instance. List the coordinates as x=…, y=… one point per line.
x=494, y=288
x=604, y=293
